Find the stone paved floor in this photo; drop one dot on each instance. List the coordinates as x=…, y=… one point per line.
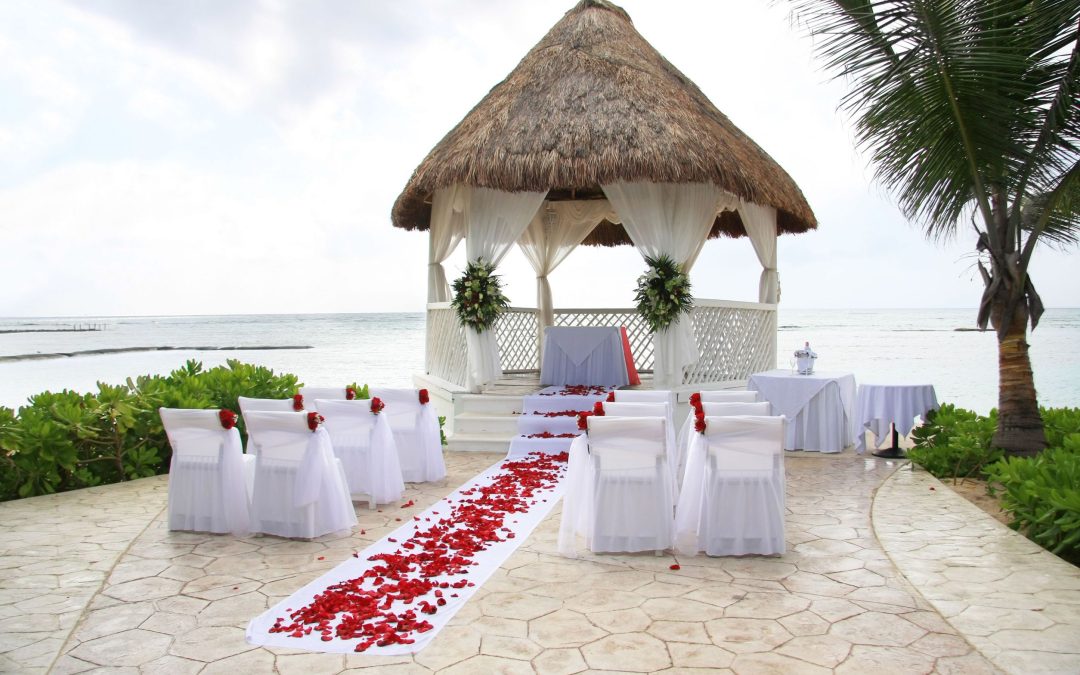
x=93, y=579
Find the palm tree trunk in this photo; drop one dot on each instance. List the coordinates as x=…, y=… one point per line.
x=1020, y=427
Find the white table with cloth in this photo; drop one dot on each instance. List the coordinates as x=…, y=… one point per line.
x=880, y=405
x=584, y=355
x=820, y=407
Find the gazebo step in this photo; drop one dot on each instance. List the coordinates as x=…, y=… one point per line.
x=477, y=423
x=481, y=404
x=479, y=442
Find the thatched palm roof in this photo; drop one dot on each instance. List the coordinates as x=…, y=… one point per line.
x=593, y=103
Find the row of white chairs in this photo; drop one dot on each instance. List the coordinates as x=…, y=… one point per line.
x=623, y=495
x=296, y=481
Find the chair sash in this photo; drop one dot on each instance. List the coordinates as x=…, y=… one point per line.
x=728, y=396
x=198, y=433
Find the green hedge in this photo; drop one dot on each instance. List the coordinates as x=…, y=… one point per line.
x=1041, y=494
x=67, y=440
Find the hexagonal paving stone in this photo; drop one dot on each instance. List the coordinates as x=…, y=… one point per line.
x=452, y=645
x=127, y=648
x=684, y=655
x=774, y=664
x=747, y=635
x=680, y=609
x=489, y=664
x=634, y=652
x=150, y=588
x=522, y=649
x=603, y=600
x=766, y=606
x=518, y=605
x=559, y=662
x=563, y=628
x=865, y=659
x=210, y=644
x=823, y=650
x=877, y=628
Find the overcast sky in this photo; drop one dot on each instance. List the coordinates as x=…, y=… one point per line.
x=215, y=157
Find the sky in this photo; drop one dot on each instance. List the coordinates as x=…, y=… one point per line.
x=225, y=156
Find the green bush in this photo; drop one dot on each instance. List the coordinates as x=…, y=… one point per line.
x=66, y=440
x=955, y=443
x=1042, y=494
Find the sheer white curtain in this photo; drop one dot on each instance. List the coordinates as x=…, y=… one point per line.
x=671, y=219
x=446, y=230
x=555, y=230
x=760, y=224
x=494, y=221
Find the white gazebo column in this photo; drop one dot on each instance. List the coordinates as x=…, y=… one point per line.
x=673, y=220
x=494, y=220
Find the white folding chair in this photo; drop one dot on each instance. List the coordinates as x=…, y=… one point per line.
x=652, y=409
x=719, y=410
x=645, y=396
x=627, y=501
x=732, y=501
x=208, y=491
x=416, y=433
x=311, y=396
x=728, y=396
x=365, y=445
x=300, y=487
x=268, y=404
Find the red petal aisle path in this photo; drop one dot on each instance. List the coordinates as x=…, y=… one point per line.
x=394, y=596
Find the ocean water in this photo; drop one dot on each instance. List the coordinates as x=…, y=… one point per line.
x=387, y=349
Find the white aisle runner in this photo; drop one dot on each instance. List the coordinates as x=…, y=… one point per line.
x=395, y=596
x=548, y=421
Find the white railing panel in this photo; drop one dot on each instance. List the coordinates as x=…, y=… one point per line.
x=735, y=340
x=519, y=346
x=446, y=354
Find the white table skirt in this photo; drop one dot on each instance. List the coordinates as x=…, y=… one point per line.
x=584, y=355
x=880, y=405
x=820, y=408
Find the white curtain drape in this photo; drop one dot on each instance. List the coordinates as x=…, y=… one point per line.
x=760, y=224
x=494, y=221
x=446, y=230
x=671, y=219
x=555, y=230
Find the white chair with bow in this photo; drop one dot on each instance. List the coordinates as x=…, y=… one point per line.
x=365, y=445
x=300, y=487
x=207, y=487
x=619, y=488
x=716, y=409
x=728, y=396
x=416, y=432
x=651, y=409
x=732, y=499
x=310, y=396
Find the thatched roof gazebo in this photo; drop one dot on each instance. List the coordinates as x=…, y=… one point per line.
x=596, y=138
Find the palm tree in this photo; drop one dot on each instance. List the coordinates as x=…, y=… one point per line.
x=970, y=112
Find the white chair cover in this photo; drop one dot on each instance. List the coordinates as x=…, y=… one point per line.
x=416, y=434
x=207, y=488
x=618, y=493
x=365, y=445
x=732, y=500
x=270, y=404
x=653, y=409
x=721, y=409
x=300, y=487
x=313, y=394
x=729, y=396
x=645, y=396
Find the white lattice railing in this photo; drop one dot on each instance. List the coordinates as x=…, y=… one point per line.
x=735, y=339
x=446, y=356
x=519, y=343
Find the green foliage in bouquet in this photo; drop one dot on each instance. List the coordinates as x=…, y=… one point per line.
x=478, y=296
x=663, y=293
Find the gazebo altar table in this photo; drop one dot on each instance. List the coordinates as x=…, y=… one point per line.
x=734, y=340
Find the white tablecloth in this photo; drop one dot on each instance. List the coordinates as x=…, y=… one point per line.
x=592, y=355
x=820, y=408
x=882, y=404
